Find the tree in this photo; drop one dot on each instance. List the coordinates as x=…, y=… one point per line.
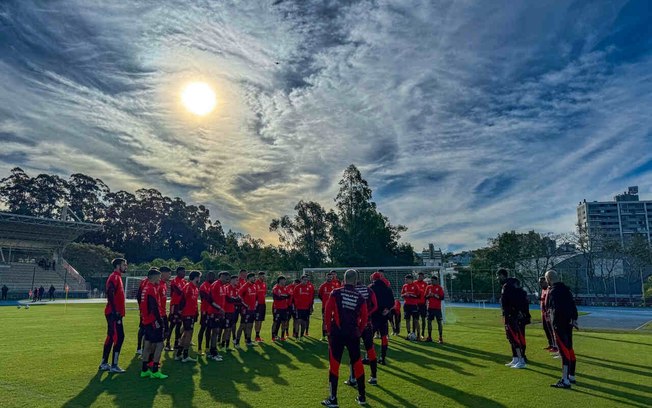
x=638, y=256
x=15, y=192
x=306, y=233
x=361, y=235
x=90, y=260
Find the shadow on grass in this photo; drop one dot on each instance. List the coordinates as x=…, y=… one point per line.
x=619, y=366
x=638, y=343
x=121, y=386
x=459, y=396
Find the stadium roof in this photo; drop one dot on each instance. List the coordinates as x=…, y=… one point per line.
x=25, y=232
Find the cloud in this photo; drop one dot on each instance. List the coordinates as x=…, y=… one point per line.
x=467, y=119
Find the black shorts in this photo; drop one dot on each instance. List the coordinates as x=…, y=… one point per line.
x=216, y=321
x=303, y=314
x=292, y=312
x=175, y=314
x=188, y=323
x=281, y=315
x=423, y=311
x=434, y=314
x=249, y=316
x=410, y=311
x=261, y=310
x=380, y=324
x=203, y=319
x=154, y=334
x=230, y=320
x=166, y=324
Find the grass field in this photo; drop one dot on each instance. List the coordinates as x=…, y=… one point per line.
x=50, y=359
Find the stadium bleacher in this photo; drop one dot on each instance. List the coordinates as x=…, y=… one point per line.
x=18, y=278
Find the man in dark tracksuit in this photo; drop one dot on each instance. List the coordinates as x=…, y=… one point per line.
x=545, y=316
x=513, y=302
x=367, y=337
x=346, y=317
x=563, y=317
x=380, y=317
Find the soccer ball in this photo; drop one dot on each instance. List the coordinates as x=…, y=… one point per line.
x=412, y=336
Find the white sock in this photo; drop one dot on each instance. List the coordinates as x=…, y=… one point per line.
x=564, y=376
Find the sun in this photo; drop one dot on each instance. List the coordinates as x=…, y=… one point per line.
x=198, y=98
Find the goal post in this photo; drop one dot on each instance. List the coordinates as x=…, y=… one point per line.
x=131, y=286
x=394, y=274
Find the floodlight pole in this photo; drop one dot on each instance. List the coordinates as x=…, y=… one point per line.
x=33, y=277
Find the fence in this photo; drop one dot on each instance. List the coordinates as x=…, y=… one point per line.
x=467, y=285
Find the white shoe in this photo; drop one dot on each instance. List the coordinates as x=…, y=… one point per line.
x=511, y=363
x=236, y=346
x=177, y=357
x=104, y=367
x=520, y=364
x=556, y=355
x=188, y=360
x=216, y=358
x=139, y=352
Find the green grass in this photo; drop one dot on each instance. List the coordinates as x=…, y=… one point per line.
x=50, y=359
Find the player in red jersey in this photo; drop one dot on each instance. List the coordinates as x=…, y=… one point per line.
x=163, y=296
x=205, y=296
x=303, y=297
x=247, y=293
x=232, y=305
x=280, y=307
x=114, y=313
x=292, y=310
x=411, y=296
x=242, y=279
x=324, y=294
x=152, y=323
x=189, y=314
x=421, y=305
x=261, y=305
x=141, y=331
x=216, y=313
x=176, y=295
x=434, y=295
x=346, y=317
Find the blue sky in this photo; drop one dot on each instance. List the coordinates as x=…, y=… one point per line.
x=467, y=118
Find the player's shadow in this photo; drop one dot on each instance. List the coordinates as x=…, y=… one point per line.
x=308, y=352
x=432, y=352
x=619, y=340
x=618, y=366
x=178, y=385
x=634, y=400
x=119, y=385
x=223, y=388
x=462, y=398
x=406, y=355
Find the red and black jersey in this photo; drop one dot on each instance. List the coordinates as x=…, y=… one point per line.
x=241, y=282
x=261, y=291
x=115, y=294
x=303, y=297
x=290, y=289
x=205, y=296
x=231, y=298
x=434, y=295
x=176, y=290
x=149, y=304
x=370, y=299
x=397, y=307
x=190, y=297
x=247, y=293
x=542, y=299
x=325, y=291
x=140, y=289
x=217, y=296
x=281, y=297
x=421, y=284
x=411, y=293
x=163, y=295
x=346, y=312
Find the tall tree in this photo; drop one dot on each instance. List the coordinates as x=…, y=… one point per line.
x=306, y=233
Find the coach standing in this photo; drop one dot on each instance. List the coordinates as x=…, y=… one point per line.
x=563, y=317
x=345, y=319
x=114, y=312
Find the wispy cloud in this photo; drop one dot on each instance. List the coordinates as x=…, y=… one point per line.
x=467, y=118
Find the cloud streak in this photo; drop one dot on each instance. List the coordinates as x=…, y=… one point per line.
x=467, y=119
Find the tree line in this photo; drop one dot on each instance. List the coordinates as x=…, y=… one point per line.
x=147, y=226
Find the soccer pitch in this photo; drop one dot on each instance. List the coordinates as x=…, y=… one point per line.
x=50, y=359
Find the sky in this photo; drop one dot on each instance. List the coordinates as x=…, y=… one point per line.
x=468, y=118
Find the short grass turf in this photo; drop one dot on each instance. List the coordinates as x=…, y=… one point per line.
x=50, y=359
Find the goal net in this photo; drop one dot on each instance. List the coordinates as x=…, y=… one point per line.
x=131, y=286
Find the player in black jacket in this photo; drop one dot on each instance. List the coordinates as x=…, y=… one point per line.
x=380, y=318
x=563, y=316
x=514, y=305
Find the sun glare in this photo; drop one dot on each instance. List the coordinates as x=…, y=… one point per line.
x=198, y=98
